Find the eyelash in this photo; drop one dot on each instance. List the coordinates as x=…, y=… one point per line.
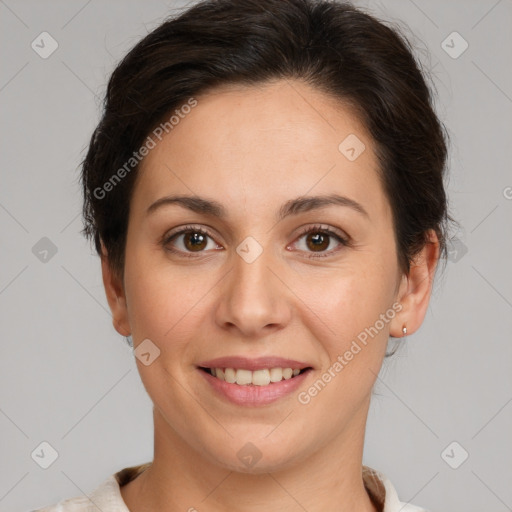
x=311, y=229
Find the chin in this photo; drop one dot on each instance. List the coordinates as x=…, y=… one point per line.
x=260, y=467
x=255, y=458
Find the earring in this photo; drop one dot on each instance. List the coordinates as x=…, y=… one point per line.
x=404, y=330
x=129, y=340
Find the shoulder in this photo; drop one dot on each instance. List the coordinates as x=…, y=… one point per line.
x=384, y=494
x=106, y=497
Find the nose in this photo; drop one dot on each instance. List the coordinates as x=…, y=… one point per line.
x=254, y=299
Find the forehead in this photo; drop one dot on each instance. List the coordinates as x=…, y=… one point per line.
x=268, y=142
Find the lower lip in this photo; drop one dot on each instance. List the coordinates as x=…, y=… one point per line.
x=251, y=395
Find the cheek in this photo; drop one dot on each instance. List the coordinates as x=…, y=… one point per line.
x=161, y=309
x=356, y=308
x=153, y=307
x=165, y=302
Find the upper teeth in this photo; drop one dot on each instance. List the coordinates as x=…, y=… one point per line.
x=258, y=377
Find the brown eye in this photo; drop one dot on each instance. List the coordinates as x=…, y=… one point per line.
x=318, y=240
x=188, y=240
x=194, y=241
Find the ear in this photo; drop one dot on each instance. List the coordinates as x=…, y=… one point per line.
x=415, y=289
x=114, y=290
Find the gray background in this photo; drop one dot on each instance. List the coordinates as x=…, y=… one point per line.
x=66, y=376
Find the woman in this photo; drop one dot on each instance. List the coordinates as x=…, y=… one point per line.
x=265, y=190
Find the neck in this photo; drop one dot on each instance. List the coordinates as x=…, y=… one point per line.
x=181, y=478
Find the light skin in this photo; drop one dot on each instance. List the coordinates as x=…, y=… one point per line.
x=251, y=149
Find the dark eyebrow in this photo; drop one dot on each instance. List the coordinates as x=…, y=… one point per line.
x=292, y=207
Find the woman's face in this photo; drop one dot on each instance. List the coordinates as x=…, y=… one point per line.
x=255, y=284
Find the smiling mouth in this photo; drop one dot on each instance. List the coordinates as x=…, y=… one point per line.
x=262, y=377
